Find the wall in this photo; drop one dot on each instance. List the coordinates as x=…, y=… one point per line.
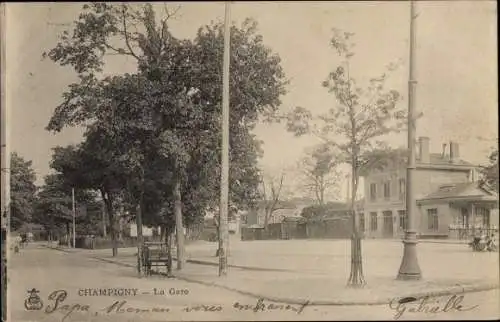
x=333, y=228
x=445, y=215
x=495, y=218
x=426, y=181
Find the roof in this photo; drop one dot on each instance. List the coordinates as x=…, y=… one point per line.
x=396, y=158
x=463, y=190
x=438, y=159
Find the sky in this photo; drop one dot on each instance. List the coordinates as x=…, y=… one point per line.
x=456, y=63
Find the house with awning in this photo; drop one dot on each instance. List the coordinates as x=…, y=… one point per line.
x=459, y=210
x=450, y=199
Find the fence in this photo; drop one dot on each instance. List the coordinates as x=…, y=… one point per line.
x=338, y=228
x=461, y=233
x=92, y=242
x=324, y=228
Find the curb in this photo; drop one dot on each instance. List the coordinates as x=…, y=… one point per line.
x=385, y=301
x=297, y=301
x=194, y=261
x=248, y=268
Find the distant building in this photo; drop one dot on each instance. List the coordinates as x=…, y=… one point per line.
x=284, y=209
x=233, y=220
x=448, y=196
x=146, y=231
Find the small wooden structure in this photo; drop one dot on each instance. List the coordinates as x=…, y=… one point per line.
x=155, y=254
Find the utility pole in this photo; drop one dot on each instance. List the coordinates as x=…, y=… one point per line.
x=410, y=269
x=5, y=132
x=5, y=168
x=348, y=191
x=224, y=186
x=74, y=217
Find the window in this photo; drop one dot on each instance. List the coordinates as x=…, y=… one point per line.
x=387, y=190
x=361, y=222
x=463, y=218
x=373, y=191
x=432, y=219
x=403, y=221
x=373, y=221
x=484, y=215
x=402, y=189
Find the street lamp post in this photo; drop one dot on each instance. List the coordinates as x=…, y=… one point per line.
x=409, y=269
x=224, y=188
x=5, y=168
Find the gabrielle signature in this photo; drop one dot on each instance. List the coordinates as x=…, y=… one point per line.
x=428, y=305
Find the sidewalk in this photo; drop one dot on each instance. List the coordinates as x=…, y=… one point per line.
x=320, y=278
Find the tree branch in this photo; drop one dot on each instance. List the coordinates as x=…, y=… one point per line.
x=126, y=35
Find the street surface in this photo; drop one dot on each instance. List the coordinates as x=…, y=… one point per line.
x=51, y=270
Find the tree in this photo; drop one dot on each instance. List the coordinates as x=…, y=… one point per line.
x=327, y=209
x=319, y=172
x=352, y=126
x=176, y=91
x=490, y=171
x=92, y=166
x=271, y=193
x=23, y=191
x=54, y=206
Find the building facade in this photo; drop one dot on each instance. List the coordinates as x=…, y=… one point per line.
x=448, y=196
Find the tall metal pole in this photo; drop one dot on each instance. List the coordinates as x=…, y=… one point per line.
x=410, y=269
x=5, y=131
x=224, y=187
x=5, y=169
x=74, y=217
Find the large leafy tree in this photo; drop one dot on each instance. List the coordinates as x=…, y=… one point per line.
x=490, y=171
x=92, y=166
x=320, y=174
x=171, y=107
x=54, y=207
x=23, y=191
x=352, y=127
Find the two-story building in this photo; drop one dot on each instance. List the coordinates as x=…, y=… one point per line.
x=448, y=196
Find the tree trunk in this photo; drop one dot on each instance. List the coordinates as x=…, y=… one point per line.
x=140, y=241
x=103, y=219
x=108, y=201
x=178, y=222
x=322, y=191
x=163, y=234
x=167, y=233
x=68, y=234
x=267, y=214
x=217, y=227
x=120, y=221
x=356, y=278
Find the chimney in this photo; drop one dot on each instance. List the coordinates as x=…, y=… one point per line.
x=444, y=151
x=454, y=155
x=472, y=175
x=423, y=143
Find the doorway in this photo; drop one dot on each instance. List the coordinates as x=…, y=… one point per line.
x=388, y=230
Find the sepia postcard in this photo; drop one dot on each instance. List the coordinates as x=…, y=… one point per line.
x=249, y=161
